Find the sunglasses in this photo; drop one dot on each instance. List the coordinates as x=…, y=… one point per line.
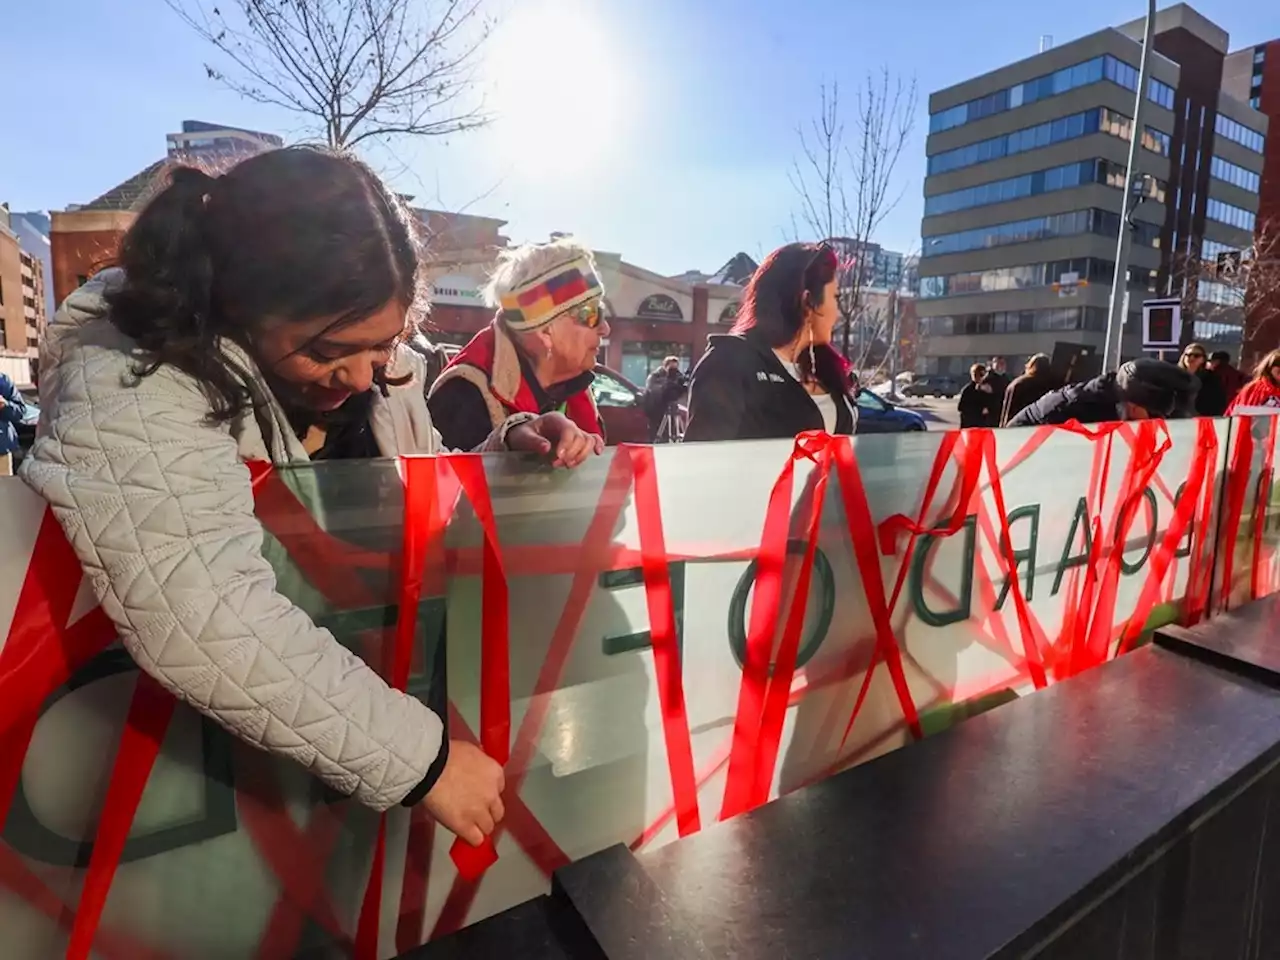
x=1194, y=356
x=589, y=315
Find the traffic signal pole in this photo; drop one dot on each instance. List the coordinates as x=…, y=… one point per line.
x=1117, y=316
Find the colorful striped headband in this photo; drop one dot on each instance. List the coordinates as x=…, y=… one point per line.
x=541, y=300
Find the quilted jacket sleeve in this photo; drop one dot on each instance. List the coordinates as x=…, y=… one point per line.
x=159, y=508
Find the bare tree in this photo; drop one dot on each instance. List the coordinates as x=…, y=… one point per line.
x=846, y=189
x=1261, y=281
x=1239, y=287
x=352, y=69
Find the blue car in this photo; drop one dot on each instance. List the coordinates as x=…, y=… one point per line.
x=877, y=415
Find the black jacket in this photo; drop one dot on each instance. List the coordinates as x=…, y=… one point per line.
x=1163, y=388
x=1095, y=401
x=741, y=391
x=999, y=383
x=662, y=389
x=977, y=405
x=1211, y=400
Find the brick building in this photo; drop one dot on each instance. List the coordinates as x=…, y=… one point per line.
x=1254, y=73
x=22, y=305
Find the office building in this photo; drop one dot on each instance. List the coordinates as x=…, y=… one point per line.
x=205, y=141
x=1023, y=194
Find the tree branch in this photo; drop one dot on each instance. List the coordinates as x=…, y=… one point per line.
x=353, y=69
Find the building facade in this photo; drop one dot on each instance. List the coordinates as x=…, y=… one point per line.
x=22, y=305
x=85, y=238
x=1254, y=73
x=1023, y=195
x=32, y=230
x=651, y=316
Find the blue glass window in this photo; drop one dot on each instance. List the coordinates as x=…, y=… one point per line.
x=1102, y=222
x=1015, y=321
x=1232, y=216
x=1223, y=294
x=1236, y=175
x=1044, y=134
x=1032, y=184
x=1237, y=132
x=1210, y=249
x=1159, y=93
x=1050, y=85
x=1025, y=277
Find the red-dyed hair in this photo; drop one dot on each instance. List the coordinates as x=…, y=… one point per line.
x=773, y=307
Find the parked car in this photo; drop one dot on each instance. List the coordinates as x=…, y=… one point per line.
x=931, y=385
x=878, y=415
x=618, y=400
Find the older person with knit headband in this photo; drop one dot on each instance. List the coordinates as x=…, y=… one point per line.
x=538, y=354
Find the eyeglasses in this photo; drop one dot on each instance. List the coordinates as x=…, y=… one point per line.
x=1194, y=356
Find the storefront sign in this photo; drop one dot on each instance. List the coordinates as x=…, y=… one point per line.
x=456, y=290
x=659, y=306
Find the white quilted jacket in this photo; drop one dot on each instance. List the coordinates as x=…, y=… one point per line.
x=159, y=508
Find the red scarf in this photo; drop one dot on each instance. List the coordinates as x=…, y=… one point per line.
x=1257, y=393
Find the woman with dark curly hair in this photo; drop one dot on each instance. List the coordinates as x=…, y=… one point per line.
x=775, y=374
x=258, y=315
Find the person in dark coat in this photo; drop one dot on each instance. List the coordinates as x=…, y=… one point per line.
x=998, y=380
x=1037, y=379
x=775, y=374
x=12, y=410
x=662, y=389
x=1142, y=389
x=976, y=401
x=1232, y=379
x=1211, y=399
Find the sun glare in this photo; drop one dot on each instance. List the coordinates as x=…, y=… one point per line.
x=555, y=89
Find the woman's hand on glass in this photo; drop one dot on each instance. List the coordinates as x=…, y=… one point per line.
x=555, y=435
x=467, y=799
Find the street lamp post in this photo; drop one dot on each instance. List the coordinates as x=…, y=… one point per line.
x=1116, y=316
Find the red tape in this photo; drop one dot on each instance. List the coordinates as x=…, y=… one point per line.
x=1262, y=498
x=665, y=642
x=1237, y=490
x=862, y=534
x=41, y=651
x=495, y=652
x=148, y=719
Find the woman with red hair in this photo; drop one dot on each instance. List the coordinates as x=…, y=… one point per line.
x=775, y=374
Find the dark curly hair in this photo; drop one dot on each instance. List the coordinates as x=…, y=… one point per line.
x=773, y=308
x=293, y=234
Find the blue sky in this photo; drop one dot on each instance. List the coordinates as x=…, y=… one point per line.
x=668, y=141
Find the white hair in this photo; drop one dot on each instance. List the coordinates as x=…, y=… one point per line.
x=517, y=266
